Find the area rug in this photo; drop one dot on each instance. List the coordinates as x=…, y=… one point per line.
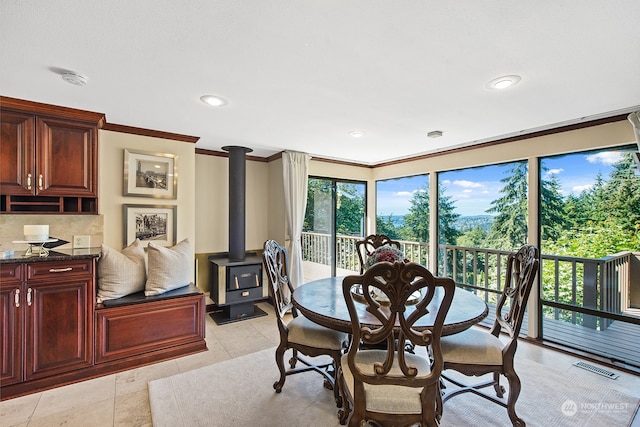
x=239, y=392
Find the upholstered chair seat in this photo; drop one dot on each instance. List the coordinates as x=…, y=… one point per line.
x=472, y=347
x=300, y=335
x=384, y=383
x=386, y=398
x=475, y=352
x=305, y=332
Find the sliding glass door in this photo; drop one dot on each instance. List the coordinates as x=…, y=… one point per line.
x=334, y=221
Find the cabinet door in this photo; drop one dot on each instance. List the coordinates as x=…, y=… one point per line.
x=67, y=158
x=59, y=326
x=17, y=171
x=10, y=324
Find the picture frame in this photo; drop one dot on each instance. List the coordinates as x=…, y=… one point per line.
x=150, y=223
x=150, y=174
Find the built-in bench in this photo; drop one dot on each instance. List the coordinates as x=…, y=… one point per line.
x=130, y=332
x=137, y=329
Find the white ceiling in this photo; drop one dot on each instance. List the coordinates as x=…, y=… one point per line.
x=300, y=75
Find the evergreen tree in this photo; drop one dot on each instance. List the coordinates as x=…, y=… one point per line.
x=318, y=215
x=473, y=238
x=387, y=227
x=621, y=195
x=509, y=229
x=349, y=210
x=552, y=214
x=416, y=222
x=447, y=217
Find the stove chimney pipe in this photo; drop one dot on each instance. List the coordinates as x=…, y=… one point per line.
x=237, y=196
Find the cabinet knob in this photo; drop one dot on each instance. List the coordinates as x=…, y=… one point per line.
x=29, y=181
x=16, y=298
x=29, y=297
x=40, y=182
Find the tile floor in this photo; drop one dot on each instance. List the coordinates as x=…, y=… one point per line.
x=122, y=399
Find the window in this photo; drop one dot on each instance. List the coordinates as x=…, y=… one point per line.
x=402, y=213
x=589, y=227
x=334, y=221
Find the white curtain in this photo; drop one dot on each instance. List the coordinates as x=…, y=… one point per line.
x=634, y=118
x=295, y=168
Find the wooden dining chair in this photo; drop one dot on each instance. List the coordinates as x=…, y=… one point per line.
x=369, y=244
x=301, y=335
x=477, y=352
x=387, y=385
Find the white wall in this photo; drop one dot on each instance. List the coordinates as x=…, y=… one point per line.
x=111, y=175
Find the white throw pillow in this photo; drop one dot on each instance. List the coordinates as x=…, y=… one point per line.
x=169, y=268
x=121, y=273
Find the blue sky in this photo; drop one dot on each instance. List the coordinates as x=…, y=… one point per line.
x=472, y=190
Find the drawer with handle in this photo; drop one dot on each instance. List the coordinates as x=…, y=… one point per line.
x=44, y=270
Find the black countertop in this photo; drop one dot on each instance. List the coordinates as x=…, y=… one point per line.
x=54, y=255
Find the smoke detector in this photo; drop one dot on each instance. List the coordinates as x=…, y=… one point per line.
x=74, y=78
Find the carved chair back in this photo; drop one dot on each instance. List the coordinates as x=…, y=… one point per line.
x=275, y=260
x=393, y=363
x=522, y=267
x=369, y=244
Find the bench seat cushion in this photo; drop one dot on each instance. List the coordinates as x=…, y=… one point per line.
x=140, y=297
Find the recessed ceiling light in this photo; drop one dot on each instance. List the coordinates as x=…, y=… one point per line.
x=435, y=134
x=74, y=78
x=503, y=82
x=357, y=133
x=213, y=100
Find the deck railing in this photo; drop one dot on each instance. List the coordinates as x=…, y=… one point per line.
x=583, y=291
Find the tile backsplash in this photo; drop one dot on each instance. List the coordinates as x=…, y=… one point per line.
x=60, y=227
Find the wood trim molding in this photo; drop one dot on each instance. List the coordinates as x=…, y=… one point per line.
x=567, y=128
x=52, y=110
x=149, y=132
x=225, y=154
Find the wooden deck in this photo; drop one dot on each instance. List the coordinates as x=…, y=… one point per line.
x=619, y=343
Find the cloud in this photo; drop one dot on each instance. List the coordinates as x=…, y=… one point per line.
x=467, y=184
x=606, y=158
x=581, y=188
x=403, y=193
x=556, y=171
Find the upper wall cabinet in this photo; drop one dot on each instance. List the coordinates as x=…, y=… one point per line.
x=49, y=158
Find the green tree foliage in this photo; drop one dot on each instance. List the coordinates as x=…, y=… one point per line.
x=509, y=229
x=350, y=208
x=447, y=217
x=621, y=195
x=416, y=222
x=385, y=226
x=553, y=218
x=318, y=215
x=473, y=238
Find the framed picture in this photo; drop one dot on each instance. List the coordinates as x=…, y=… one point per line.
x=150, y=223
x=150, y=174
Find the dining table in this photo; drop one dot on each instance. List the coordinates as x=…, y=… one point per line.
x=322, y=301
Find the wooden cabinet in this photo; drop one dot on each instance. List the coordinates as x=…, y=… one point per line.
x=11, y=327
x=49, y=158
x=47, y=312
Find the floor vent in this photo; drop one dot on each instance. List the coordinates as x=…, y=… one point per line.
x=596, y=370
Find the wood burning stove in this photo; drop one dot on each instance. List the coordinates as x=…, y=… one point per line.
x=235, y=286
x=236, y=279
